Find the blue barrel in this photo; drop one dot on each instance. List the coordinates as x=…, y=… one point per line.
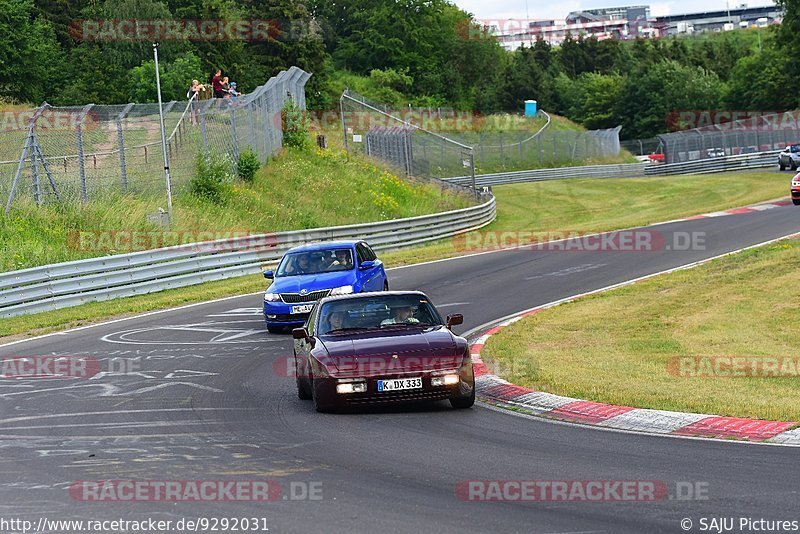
x=531, y=108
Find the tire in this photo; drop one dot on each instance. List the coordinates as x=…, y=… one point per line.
x=302, y=392
x=274, y=329
x=463, y=403
x=792, y=165
x=386, y=285
x=796, y=202
x=320, y=406
x=781, y=166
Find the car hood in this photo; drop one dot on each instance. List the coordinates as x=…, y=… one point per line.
x=391, y=351
x=312, y=282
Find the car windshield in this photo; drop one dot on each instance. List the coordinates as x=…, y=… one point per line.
x=316, y=262
x=375, y=313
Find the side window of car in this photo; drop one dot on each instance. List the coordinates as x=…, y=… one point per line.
x=370, y=253
x=312, y=320
x=361, y=253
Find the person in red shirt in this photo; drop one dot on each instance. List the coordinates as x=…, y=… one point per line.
x=216, y=84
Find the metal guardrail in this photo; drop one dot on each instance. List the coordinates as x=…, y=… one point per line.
x=627, y=170
x=623, y=170
x=62, y=285
x=720, y=164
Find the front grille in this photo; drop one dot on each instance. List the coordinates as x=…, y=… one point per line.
x=297, y=298
x=402, y=396
x=290, y=318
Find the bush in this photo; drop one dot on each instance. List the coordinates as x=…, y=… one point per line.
x=248, y=165
x=212, y=177
x=295, y=126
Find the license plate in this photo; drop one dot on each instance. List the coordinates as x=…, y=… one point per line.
x=399, y=384
x=304, y=308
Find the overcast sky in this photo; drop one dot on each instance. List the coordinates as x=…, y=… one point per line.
x=547, y=9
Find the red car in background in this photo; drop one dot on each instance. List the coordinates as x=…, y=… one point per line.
x=796, y=189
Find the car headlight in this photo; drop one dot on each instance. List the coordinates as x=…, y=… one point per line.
x=795, y=183
x=344, y=290
x=271, y=297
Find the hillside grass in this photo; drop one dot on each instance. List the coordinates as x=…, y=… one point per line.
x=299, y=189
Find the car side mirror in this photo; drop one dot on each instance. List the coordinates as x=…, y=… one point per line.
x=454, y=319
x=369, y=264
x=269, y=275
x=302, y=333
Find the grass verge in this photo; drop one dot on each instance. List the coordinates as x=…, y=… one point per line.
x=580, y=205
x=300, y=189
x=625, y=347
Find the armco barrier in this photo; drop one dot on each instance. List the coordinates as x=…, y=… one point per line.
x=623, y=170
x=62, y=285
x=627, y=170
x=724, y=164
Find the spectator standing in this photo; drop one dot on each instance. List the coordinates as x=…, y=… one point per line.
x=216, y=85
x=194, y=95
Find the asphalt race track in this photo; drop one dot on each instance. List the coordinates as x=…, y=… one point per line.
x=206, y=397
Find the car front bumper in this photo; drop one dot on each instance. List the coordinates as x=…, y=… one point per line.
x=280, y=314
x=326, y=389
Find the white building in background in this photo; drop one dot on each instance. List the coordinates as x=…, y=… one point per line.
x=627, y=22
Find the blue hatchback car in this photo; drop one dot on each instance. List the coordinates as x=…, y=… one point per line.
x=311, y=272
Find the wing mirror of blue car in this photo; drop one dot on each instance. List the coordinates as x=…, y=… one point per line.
x=269, y=275
x=454, y=319
x=369, y=264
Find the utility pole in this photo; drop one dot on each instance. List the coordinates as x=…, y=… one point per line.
x=163, y=135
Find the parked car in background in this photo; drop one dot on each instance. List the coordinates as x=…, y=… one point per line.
x=308, y=273
x=789, y=157
x=795, y=190
x=715, y=153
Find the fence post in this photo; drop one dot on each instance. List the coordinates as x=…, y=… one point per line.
x=235, y=138
x=123, y=168
x=344, y=122
x=37, y=193
x=203, y=131
x=81, y=157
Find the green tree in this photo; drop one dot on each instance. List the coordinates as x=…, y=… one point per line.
x=654, y=93
x=31, y=60
x=762, y=82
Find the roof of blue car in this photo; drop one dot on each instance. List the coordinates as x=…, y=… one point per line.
x=325, y=245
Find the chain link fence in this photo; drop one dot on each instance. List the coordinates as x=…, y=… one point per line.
x=372, y=129
x=82, y=154
x=396, y=137
x=761, y=133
